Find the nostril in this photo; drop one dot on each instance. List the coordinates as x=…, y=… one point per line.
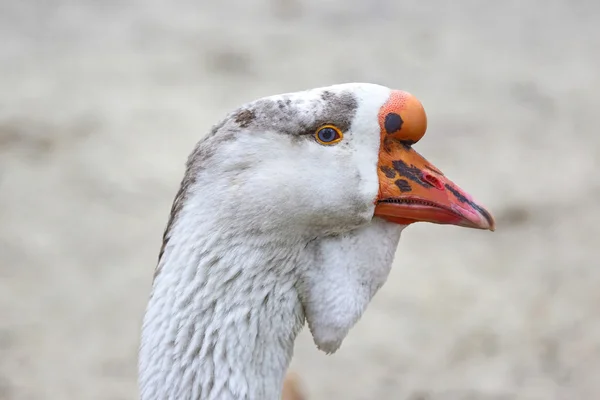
x=432, y=180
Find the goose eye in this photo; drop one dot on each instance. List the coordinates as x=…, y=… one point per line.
x=328, y=134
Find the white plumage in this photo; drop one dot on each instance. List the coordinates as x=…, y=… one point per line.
x=270, y=229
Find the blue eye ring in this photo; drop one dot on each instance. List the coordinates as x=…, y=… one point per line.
x=328, y=135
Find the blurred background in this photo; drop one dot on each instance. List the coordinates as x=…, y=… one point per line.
x=101, y=102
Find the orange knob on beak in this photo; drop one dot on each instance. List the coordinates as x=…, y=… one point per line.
x=410, y=188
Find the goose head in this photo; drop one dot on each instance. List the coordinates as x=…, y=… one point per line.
x=326, y=161
x=291, y=208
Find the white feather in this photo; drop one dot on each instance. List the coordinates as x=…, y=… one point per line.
x=273, y=230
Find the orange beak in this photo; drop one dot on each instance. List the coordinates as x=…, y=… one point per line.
x=410, y=188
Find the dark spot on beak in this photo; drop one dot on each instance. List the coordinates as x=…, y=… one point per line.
x=407, y=144
x=411, y=172
x=459, y=196
x=403, y=185
x=393, y=123
x=390, y=173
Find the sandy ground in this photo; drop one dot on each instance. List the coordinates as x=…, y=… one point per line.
x=101, y=101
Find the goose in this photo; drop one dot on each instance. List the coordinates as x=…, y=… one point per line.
x=289, y=212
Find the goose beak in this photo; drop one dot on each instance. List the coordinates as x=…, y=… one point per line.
x=413, y=190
